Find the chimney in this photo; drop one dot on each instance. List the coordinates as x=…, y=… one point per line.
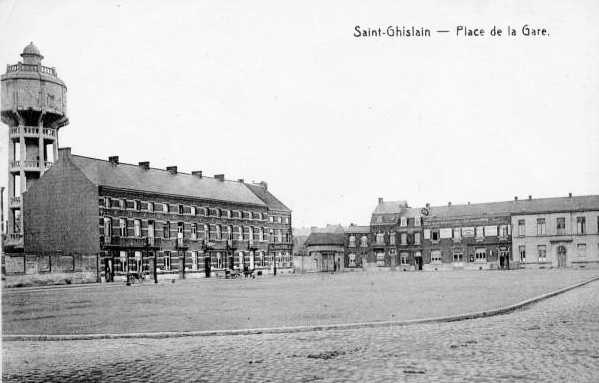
x=529, y=197
x=516, y=198
x=197, y=173
x=114, y=160
x=380, y=200
x=64, y=152
x=145, y=165
x=264, y=185
x=570, y=195
x=449, y=203
x=172, y=169
x=220, y=177
x=240, y=180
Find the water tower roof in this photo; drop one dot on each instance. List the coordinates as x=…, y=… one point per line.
x=31, y=49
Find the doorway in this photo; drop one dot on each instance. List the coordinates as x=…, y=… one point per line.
x=561, y=256
x=207, y=266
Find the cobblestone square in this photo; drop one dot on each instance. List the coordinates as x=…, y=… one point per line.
x=555, y=340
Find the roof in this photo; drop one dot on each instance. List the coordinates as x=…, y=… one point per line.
x=270, y=200
x=322, y=239
x=31, y=49
x=133, y=177
x=526, y=206
x=390, y=207
x=357, y=229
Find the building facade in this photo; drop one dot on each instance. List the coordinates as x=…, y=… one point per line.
x=164, y=223
x=326, y=252
x=396, y=231
x=472, y=236
x=34, y=106
x=560, y=232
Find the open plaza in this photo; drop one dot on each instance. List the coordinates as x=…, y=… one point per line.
x=474, y=348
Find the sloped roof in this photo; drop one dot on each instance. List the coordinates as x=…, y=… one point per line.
x=525, y=206
x=357, y=229
x=390, y=207
x=133, y=177
x=268, y=198
x=322, y=239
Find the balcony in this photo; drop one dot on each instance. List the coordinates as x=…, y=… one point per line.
x=25, y=165
x=20, y=67
x=31, y=131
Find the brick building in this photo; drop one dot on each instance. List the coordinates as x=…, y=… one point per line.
x=326, y=251
x=135, y=218
x=471, y=236
x=396, y=231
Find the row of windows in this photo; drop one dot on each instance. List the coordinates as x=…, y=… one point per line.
x=403, y=221
x=133, y=228
x=560, y=226
x=457, y=233
x=195, y=261
x=189, y=210
x=363, y=241
x=404, y=238
x=541, y=252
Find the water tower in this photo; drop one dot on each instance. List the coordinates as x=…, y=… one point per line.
x=34, y=106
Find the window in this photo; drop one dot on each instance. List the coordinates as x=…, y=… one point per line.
x=212, y=233
x=404, y=238
x=521, y=228
x=286, y=221
x=271, y=219
x=392, y=252
x=279, y=235
x=427, y=234
x=245, y=215
x=581, y=225
x=417, y=221
x=192, y=210
x=403, y=258
x=239, y=232
x=445, y=233
x=230, y=233
x=219, y=234
x=560, y=226
x=403, y=221
x=194, y=260
x=392, y=238
x=260, y=234
x=541, y=226
x=205, y=230
x=137, y=228
x=542, y=252
x=491, y=231
x=458, y=256
x=194, y=231
x=280, y=219
x=417, y=238
x=167, y=260
x=150, y=206
x=435, y=235
x=352, y=260
x=380, y=238
x=107, y=229
x=165, y=207
x=123, y=227
x=137, y=205
x=457, y=234
x=503, y=231
x=166, y=230
x=129, y=204
x=479, y=232
x=581, y=249
x=380, y=259
x=480, y=254
x=364, y=241
x=522, y=251
x=352, y=241
x=436, y=256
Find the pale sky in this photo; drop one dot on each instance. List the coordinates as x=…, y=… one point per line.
x=285, y=93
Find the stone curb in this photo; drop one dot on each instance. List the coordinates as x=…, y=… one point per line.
x=297, y=329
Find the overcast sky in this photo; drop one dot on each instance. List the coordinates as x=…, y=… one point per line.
x=285, y=93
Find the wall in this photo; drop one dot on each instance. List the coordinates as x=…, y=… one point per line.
x=61, y=212
x=569, y=239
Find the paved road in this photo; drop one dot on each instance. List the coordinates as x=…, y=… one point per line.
x=555, y=340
